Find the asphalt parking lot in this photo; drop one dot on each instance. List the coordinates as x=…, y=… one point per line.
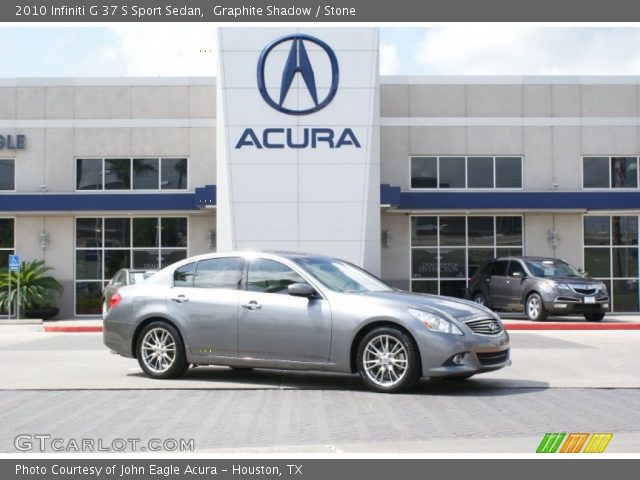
x=70, y=385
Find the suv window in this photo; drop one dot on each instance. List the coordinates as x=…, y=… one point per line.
x=218, y=273
x=183, y=276
x=500, y=268
x=486, y=270
x=514, y=267
x=269, y=276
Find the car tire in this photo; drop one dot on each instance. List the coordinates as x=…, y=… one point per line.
x=534, y=308
x=387, y=360
x=594, y=317
x=480, y=299
x=161, y=352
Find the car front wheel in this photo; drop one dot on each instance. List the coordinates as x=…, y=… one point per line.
x=160, y=351
x=480, y=299
x=594, y=317
x=534, y=308
x=387, y=360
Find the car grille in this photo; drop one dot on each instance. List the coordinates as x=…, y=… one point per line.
x=584, y=289
x=493, y=358
x=485, y=326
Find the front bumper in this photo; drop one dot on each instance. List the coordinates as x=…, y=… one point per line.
x=559, y=304
x=475, y=353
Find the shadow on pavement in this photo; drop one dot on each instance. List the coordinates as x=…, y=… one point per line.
x=296, y=380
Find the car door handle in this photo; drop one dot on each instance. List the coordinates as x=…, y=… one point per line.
x=252, y=305
x=180, y=299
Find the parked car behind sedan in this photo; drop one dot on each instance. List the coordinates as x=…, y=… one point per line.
x=540, y=287
x=299, y=311
x=122, y=278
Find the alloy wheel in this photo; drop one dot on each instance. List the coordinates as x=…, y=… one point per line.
x=533, y=307
x=385, y=360
x=158, y=350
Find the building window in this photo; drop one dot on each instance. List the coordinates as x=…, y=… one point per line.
x=466, y=172
x=611, y=255
x=447, y=250
x=131, y=174
x=610, y=172
x=105, y=245
x=7, y=174
x=7, y=239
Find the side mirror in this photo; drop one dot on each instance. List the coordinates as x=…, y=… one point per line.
x=517, y=275
x=301, y=290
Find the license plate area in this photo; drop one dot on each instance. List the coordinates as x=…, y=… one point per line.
x=589, y=299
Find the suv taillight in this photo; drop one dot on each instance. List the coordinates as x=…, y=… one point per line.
x=114, y=301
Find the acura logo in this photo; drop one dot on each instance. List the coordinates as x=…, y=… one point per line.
x=298, y=62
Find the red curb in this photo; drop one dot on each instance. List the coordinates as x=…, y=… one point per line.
x=73, y=329
x=572, y=326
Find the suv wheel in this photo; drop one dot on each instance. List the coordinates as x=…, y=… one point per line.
x=534, y=308
x=480, y=299
x=160, y=351
x=387, y=360
x=594, y=317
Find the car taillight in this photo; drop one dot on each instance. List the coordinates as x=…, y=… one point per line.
x=114, y=301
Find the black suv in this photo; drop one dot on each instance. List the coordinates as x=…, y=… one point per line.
x=538, y=286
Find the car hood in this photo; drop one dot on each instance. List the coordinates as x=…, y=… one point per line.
x=574, y=280
x=456, y=308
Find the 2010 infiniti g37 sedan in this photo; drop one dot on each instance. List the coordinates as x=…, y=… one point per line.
x=299, y=311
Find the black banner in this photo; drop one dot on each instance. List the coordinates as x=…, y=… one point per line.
x=319, y=11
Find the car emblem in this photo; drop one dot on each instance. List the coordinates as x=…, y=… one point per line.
x=493, y=326
x=298, y=62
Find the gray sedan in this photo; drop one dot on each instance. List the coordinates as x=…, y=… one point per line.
x=303, y=312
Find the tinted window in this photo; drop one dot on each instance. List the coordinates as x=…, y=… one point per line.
x=480, y=231
x=424, y=172
x=595, y=172
x=174, y=232
x=624, y=230
x=6, y=234
x=145, y=232
x=424, y=231
x=117, y=232
x=89, y=174
x=269, y=276
x=516, y=267
x=7, y=174
x=597, y=231
x=117, y=174
x=508, y=172
x=218, y=273
x=508, y=230
x=452, y=231
x=624, y=172
x=452, y=174
x=145, y=173
x=480, y=172
x=174, y=173
x=500, y=268
x=183, y=276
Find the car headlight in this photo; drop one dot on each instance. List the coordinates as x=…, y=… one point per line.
x=602, y=287
x=434, y=323
x=563, y=287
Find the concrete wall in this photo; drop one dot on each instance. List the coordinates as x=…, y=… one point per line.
x=541, y=120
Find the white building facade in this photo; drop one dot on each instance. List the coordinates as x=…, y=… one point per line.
x=299, y=144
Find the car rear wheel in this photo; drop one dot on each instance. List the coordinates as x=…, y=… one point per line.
x=534, y=308
x=387, y=360
x=480, y=299
x=594, y=317
x=160, y=351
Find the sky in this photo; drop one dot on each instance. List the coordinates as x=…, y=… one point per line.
x=454, y=49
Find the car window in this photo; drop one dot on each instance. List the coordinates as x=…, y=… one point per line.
x=218, y=273
x=137, y=277
x=500, y=268
x=269, y=276
x=119, y=277
x=516, y=267
x=183, y=276
x=486, y=270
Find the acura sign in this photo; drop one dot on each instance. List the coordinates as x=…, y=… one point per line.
x=298, y=64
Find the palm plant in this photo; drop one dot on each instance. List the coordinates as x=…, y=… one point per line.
x=37, y=289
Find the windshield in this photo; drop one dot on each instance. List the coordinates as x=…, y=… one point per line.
x=342, y=276
x=552, y=268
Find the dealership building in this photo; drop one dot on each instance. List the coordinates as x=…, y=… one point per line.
x=299, y=144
